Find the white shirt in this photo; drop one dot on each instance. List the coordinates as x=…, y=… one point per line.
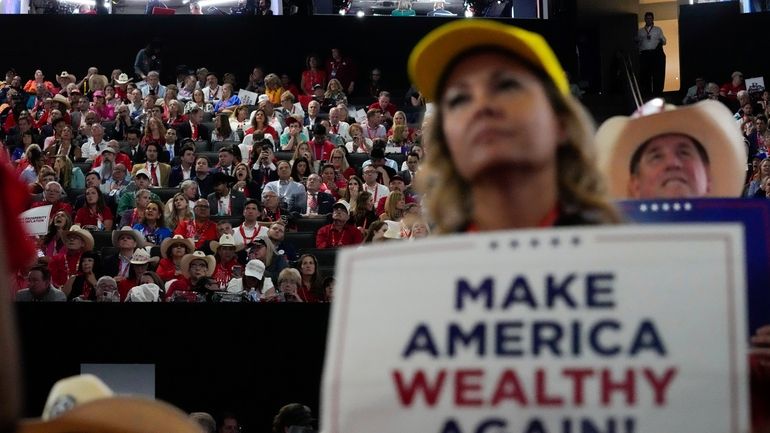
x=150, y=168
x=353, y=148
x=91, y=150
x=372, y=133
x=378, y=192
x=170, y=150
x=655, y=36
x=251, y=233
x=224, y=206
x=212, y=95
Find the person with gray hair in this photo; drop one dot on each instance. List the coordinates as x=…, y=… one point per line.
x=205, y=420
x=107, y=290
x=153, y=86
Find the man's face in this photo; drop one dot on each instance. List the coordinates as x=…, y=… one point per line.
x=83, y=103
x=384, y=101
x=339, y=215
x=221, y=189
x=119, y=172
x=397, y=185
x=75, y=243
x=202, y=208
x=225, y=228
x=276, y=232
x=202, y=165
x=132, y=139
x=149, y=102
x=412, y=162
x=225, y=159
x=319, y=138
x=761, y=126
x=373, y=121
x=334, y=116
x=670, y=167
x=284, y=170
x=648, y=20
x=188, y=157
x=170, y=136
x=137, y=95
x=336, y=53
x=16, y=81
x=212, y=81
x=52, y=193
x=142, y=182
x=370, y=175
x=152, y=80
x=312, y=108
x=270, y=200
x=152, y=153
x=196, y=117
x=313, y=183
x=126, y=242
x=93, y=180
x=37, y=285
x=251, y=212
x=24, y=125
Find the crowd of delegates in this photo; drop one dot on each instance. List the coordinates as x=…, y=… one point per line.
x=196, y=190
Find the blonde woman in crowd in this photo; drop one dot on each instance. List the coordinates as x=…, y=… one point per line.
x=509, y=146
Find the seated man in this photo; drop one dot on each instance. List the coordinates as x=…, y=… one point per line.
x=195, y=267
x=224, y=252
x=290, y=192
x=396, y=184
x=318, y=202
x=128, y=195
x=225, y=201
x=339, y=233
x=52, y=194
x=201, y=229
x=65, y=265
x=40, y=288
x=668, y=154
x=245, y=233
x=186, y=168
x=377, y=159
x=383, y=104
x=159, y=171
x=276, y=234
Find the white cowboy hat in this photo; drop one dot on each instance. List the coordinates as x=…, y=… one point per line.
x=85, y=404
x=142, y=257
x=710, y=123
x=176, y=240
x=123, y=79
x=225, y=241
x=88, y=239
x=198, y=255
x=127, y=230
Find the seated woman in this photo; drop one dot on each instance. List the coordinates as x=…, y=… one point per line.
x=333, y=95
x=154, y=133
x=110, y=98
x=290, y=107
x=172, y=250
x=238, y=119
x=153, y=225
x=228, y=99
x=339, y=160
x=175, y=114
x=303, y=151
x=351, y=192
x=67, y=174
x=360, y=143
x=300, y=170
x=198, y=100
x=95, y=215
x=333, y=180
x=286, y=289
x=260, y=124
x=104, y=112
x=151, y=277
x=394, y=206
x=273, y=89
x=400, y=133
x=222, y=130
x=310, y=287
x=225, y=253
x=314, y=74
x=376, y=232
x=65, y=145
x=82, y=287
x=178, y=210
x=244, y=184
x=364, y=214
x=53, y=242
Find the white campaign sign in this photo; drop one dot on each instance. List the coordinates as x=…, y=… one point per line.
x=247, y=98
x=35, y=220
x=627, y=329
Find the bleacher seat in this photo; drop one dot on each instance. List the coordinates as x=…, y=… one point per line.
x=300, y=240
x=73, y=194
x=202, y=146
x=326, y=271
x=207, y=117
x=213, y=157
x=215, y=146
x=398, y=157
x=102, y=239
x=209, y=125
x=85, y=167
x=284, y=155
x=165, y=194
x=355, y=160
x=310, y=224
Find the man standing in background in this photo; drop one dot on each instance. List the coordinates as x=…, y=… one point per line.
x=652, y=59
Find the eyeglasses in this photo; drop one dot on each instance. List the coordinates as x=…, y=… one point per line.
x=199, y=265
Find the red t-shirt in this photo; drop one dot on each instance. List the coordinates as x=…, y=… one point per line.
x=198, y=232
x=329, y=237
x=85, y=217
x=63, y=266
x=390, y=108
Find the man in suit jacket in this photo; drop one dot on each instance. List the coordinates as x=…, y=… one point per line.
x=193, y=128
x=323, y=201
x=135, y=148
x=157, y=171
x=225, y=201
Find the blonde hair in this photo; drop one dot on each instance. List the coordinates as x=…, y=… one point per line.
x=65, y=171
x=391, y=211
x=290, y=275
x=580, y=185
x=172, y=216
x=328, y=93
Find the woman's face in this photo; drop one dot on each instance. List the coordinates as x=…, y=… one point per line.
x=496, y=115
x=87, y=265
x=57, y=164
x=241, y=172
x=66, y=133
x=354, y=187
x=242, y=114
x=191, y=192
x=260, y=116
x=180, y=203
x=370, y=203
x=399, y=119
x=307, y=266
x=302, y=168
x=764, y=168
x=313, y=62
x=178, y=251
x=152, y=212
x=60, y=219
x=198, y=96
x=400, y=204
x=289, y=287
x=146, y=279
x=334, y=86
x=419, y=230
x=92, y=196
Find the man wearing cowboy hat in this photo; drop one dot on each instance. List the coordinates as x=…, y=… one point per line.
x=667, y=152
x=120, y=86
x=40, y=288
x=65, y=265
x=126, y=240
x=195, y=266
x=225, y=201
x=224, y=251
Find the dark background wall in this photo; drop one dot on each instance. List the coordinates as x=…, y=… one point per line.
x=231, y=43
x=247, y=358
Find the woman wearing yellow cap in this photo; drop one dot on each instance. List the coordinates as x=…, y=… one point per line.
x=509, y=146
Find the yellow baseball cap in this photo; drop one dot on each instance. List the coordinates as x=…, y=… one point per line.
x=439, y=48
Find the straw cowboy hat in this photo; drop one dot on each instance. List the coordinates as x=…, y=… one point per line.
x=198, y=255
x=97, y=78
x=127, y=230
x=85, y=235
x=61, y=99
x=710, y=123
x=226, y=241
x=176, y=240
x=142, y=257
x=85, y=404
x=123, y=79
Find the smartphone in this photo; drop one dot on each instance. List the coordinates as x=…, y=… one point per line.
x=237, y=271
